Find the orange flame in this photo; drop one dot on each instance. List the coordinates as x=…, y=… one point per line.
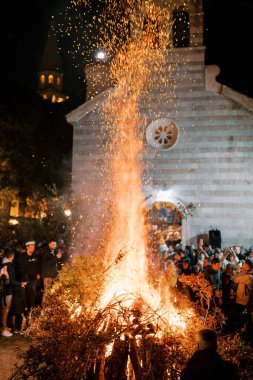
x=126, y=253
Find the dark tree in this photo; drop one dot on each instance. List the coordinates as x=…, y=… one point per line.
x=35, y=142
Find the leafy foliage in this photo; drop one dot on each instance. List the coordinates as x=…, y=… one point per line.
x=38, y=226
x=35, y=143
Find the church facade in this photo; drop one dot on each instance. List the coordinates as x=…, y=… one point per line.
x=198, y=141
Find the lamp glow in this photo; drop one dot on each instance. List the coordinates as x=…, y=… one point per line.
x=101, y=55
x=13, y=222
x=67, y=212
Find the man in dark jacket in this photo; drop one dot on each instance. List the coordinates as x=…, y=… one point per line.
x=50, y=259
x=206, y=363
x=27, y=270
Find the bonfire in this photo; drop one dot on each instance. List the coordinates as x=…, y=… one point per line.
x=115, y=315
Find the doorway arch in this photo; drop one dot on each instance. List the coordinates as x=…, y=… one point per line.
x=166, y=198
x=166, y=220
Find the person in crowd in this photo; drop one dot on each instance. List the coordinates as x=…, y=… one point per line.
x=39, y=250
x=208, y=250
x=230, y=258
x=201, y=257
x=183, y=254
x=50, y=260
x=213, y=274
x=244, y=280
x=191, y=253
x=186, y=266
x=187, y=270
x=218, y=253
x=4, y=281
x=176, y=258
x=11, y=290
x=196, y=270
x=240, y=252
x=228, y=291
x=248, y=333
x=206, y=363
x=250, y=253
x=170, y=249
x=27, y=270
x=206, y=264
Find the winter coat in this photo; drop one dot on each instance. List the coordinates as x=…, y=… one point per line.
x=49, y=263
x=27, y=267
x=244, y=289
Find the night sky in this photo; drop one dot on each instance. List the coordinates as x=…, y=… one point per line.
x=25, y=23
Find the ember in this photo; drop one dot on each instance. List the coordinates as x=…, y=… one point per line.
x=133, y=71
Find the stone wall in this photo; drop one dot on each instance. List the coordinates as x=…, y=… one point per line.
x=212, y=163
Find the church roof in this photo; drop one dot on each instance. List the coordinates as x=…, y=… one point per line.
x=51, y=59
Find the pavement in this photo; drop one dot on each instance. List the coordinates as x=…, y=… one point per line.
x=10, y=350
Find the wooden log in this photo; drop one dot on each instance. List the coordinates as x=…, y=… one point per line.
x=156, y=365
x=135, y=359
x=100, y=369
x=116, y=363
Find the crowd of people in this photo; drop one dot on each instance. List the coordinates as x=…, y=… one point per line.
x=229, y=272
x=26, y=274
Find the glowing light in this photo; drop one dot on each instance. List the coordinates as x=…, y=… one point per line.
x=101, y=55
x=165, y=195
x=13, y=222
x=67, y=212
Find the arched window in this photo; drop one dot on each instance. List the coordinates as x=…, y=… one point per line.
x=54, y=99
x=181, y=29
x=50, y=79
x=42, y=79
x=58, y=81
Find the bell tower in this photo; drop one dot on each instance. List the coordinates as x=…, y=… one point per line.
x=50, y=74
x=186, y=38
x=186, y=17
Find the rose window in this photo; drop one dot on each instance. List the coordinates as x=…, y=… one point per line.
x=162, y=133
